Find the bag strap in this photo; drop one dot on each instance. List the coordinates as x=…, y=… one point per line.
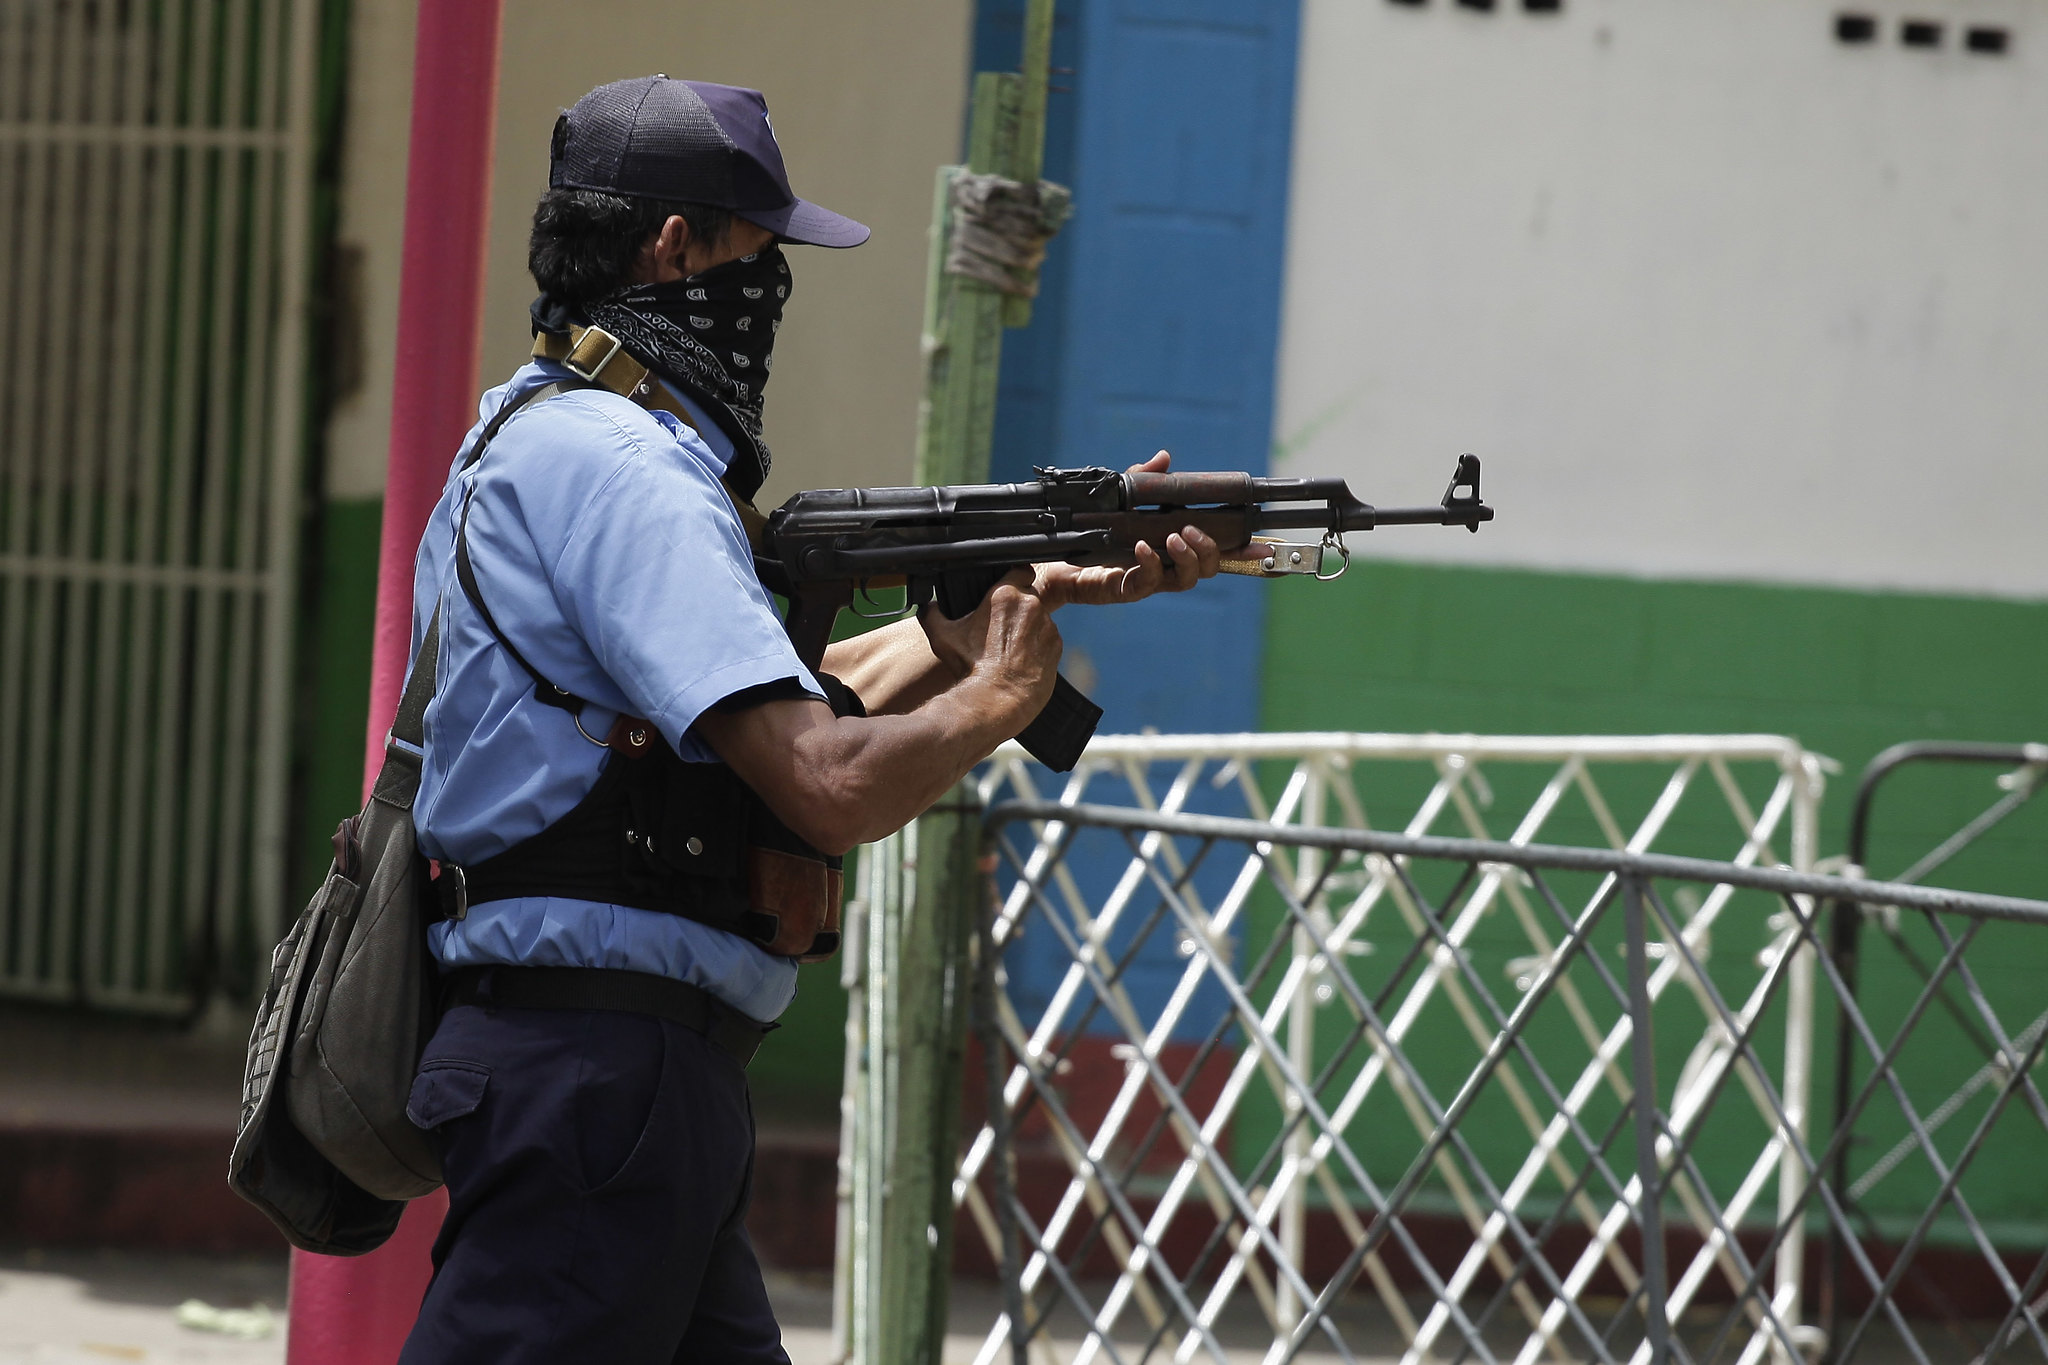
x=398, y=779
x=538, y=393
x=410, y=724
x=649, y=395
x=544, y=691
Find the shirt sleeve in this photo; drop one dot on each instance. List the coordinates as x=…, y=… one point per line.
x=656, y=576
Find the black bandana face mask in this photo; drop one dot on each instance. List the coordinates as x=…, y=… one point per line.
x=712, y=336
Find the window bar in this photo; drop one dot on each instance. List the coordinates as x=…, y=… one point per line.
x=138, y=191
x=92, y=458
x=134, y=832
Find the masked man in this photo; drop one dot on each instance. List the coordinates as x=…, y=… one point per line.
x=637, y=793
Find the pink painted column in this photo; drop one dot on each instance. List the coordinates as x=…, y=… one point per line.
x=440, y=311
x=357, y=1310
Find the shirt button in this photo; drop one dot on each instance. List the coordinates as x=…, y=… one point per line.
x=694, y=845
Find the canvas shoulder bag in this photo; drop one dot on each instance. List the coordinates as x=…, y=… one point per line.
x=324, y=1147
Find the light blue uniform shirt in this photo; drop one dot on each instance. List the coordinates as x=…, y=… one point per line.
x=610, y=554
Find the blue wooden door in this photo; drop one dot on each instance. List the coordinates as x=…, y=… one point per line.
x=1157, y=327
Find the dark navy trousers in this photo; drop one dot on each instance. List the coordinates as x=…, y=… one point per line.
x=598, y=1164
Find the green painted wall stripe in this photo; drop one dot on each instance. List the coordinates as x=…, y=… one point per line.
x=336, y=659
x=1498, y=649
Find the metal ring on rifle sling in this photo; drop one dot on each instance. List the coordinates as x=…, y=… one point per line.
x=1335, y=542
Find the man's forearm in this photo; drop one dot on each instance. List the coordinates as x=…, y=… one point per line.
x=892, y=668
x=893, y=768
x=843, y=781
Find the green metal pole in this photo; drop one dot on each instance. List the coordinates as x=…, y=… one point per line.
x=964, y=318
x=921, y=888
x=931, y=983
x=1028, y=148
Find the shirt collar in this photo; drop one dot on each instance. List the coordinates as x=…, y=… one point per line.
x=708, y=432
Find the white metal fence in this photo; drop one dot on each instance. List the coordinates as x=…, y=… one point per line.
x=154, y=197
x=1272, y=1069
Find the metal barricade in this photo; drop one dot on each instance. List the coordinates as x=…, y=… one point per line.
x=2019, y=771
x=1386, y=1102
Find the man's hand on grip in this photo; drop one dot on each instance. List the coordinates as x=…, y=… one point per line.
x=1008, y=644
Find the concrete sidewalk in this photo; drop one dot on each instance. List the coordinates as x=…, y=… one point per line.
x=86, y=1308
x=89, y=1308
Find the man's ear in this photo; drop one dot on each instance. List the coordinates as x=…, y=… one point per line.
x=663, y=257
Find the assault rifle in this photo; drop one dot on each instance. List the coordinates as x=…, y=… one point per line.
x=950, y=546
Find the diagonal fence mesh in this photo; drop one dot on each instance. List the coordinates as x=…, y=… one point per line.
x=1962, y=818
x=1288, y=1088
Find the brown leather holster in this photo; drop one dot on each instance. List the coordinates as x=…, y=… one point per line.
x=802, y=896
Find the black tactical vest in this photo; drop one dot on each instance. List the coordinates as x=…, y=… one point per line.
x=655, y=832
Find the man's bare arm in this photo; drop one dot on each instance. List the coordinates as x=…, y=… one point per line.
x=891, y=668
x=842, y=781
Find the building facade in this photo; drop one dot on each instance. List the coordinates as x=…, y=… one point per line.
x=1741, y=304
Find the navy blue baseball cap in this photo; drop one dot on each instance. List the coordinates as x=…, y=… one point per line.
x=656, y=138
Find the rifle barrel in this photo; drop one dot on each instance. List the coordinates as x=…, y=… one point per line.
x=1362, y=517
x=1454, y=515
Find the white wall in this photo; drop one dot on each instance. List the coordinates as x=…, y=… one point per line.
x=1713, y=294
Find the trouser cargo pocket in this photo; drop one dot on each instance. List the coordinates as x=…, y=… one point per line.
x=446, y=1090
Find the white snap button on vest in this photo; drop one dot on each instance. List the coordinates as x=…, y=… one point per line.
x=694, y=844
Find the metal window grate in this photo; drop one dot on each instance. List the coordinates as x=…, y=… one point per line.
x=154, y=199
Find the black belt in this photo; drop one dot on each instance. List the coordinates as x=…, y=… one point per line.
x=597, y=988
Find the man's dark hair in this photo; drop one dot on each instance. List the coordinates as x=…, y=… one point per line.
x=584, y=242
